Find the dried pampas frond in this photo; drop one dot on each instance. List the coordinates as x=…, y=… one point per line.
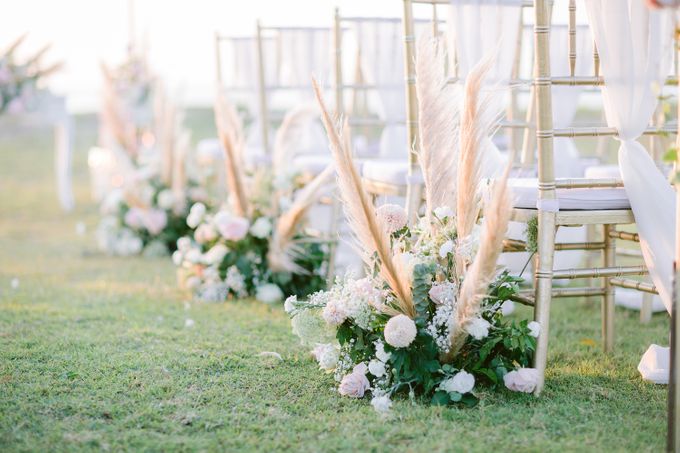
x=283, y=250
x=372, y=240
x=476, y=122
x=438, y=115
x=289, y=133
x=497, y=214
x=112, y=121
x=230, y=132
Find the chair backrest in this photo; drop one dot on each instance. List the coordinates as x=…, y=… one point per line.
x=546, y=84
x=287, y=67
x=374, y=69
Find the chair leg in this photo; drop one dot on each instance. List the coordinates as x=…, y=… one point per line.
x=646, y=308
x=543, y=287
x=609, y=253
x=591, y=236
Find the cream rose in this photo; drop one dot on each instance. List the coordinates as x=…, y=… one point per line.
x=462, y=382
x=521, y=380
x=354, y=384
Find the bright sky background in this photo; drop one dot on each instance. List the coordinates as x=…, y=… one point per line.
x=179, y=32
x=180, y=35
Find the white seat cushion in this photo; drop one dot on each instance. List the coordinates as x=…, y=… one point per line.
x=602, y=172
x=525, y=192
x=312, y=163
x=389, y=171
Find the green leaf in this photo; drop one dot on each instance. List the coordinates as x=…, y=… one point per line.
x=455, y=396
x=671, y=155
x=440, y=398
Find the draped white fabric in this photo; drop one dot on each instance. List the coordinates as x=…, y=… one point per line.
x=635, y=49
x=242, y=75
x=303, y=53
x=382, y=60
x=478, y=27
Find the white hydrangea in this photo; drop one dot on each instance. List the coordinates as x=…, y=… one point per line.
x=400, y=331
x=261, y=228
x=478, y=328
x=462, y=382
x=235, y=281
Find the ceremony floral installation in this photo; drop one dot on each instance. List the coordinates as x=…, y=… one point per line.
x=19, y=81
x=144, y=165
x=255, y=245
x=427, y=319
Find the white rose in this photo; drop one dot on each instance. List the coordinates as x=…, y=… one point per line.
x=463, y=382
x=392, y=217
x=442, y=212
x=381, y=404
x=268, y=293
x=478, y=328
x=215, y=255
x=289, y=304
x=177, y=257
x=261, y=228
x=327, y=355
x=400, y=331
x=183, y=244
x=196, y=214
x=446, y=248
x=522, y=380
x=376, y=368
x=534, y=329
x=380, y=352
x=166, y=199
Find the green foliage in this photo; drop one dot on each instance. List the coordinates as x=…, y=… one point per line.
x=532, y=235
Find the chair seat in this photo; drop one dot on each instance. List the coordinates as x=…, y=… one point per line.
x=388, y=171
x=312, y=163
x=525, y=192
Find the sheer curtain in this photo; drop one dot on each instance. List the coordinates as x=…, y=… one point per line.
x=635, y=49
x=382, y=59
x=242, y=76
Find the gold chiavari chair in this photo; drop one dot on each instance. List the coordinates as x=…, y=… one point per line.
x=608, y=212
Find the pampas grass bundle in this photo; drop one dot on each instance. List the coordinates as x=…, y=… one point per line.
x=371, y=239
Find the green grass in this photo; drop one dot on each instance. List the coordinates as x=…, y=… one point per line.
x=95, y=355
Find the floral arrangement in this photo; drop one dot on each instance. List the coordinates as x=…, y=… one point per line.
x=255, y=245
x=19, y=81
x=143, y=166
x=427, y=319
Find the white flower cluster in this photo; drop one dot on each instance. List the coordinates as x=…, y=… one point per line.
x=353, y=299
x=439, y=327
x=115, y=239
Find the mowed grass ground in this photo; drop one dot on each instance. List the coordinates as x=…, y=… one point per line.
x=95, y=354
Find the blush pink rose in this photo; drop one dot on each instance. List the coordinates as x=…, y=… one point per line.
x=355, y=384
x=134, y=218
x=232, y=228
x=155, y=220
x=522, y=380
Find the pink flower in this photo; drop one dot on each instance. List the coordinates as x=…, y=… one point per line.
x=392, y=217
x=521, y=380
x=155, y=220
x=232, y=228
x=134, y=218
x=355, y=384
x=442, y=292
x=205, y=233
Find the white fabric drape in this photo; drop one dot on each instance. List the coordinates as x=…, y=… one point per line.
x=382, y=60
x=478, y=27
x=635, y=48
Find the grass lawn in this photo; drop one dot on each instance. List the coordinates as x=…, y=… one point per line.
x=95, y=354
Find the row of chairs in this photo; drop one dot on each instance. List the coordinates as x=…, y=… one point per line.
x=533, y=125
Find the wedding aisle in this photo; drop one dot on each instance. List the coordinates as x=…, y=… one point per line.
x=103, y=353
